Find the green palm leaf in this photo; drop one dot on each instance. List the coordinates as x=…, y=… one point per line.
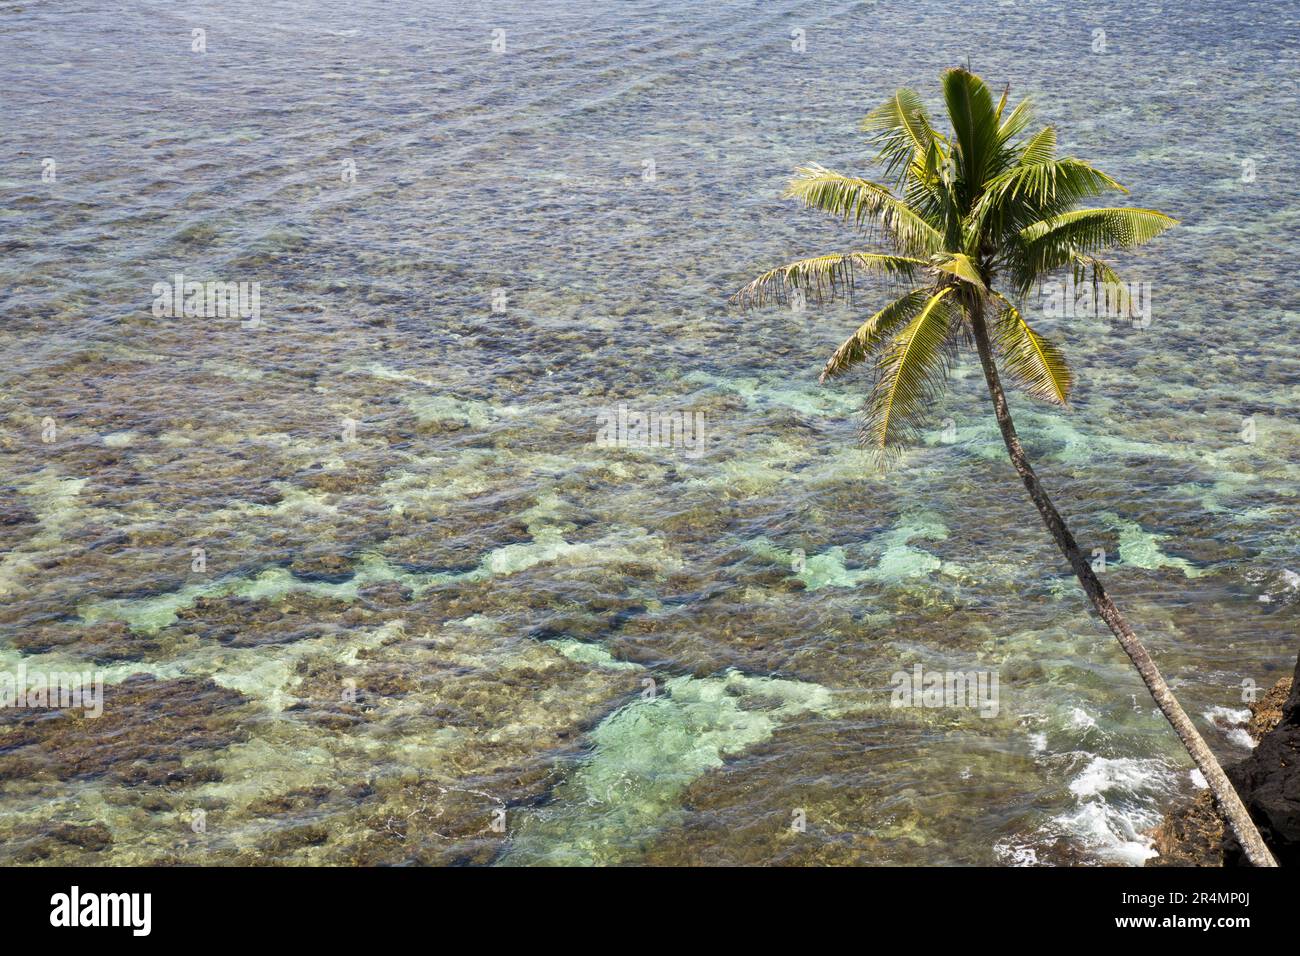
x=913, y=368
x=1051, y=244
x=822, y=277
x=963, y=268
x=1031, y=361
x=1015, y=122
x=975, y=124
x=902, y=131
x=1039, y=148
x=1031, y=192
x=863, y=343
x=1101, y=271
x=1065, y=180
x=1094, y=230
x=865, y=203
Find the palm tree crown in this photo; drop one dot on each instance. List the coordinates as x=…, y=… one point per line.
x=962, y=212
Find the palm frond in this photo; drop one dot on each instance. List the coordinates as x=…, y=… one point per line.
x=1039, y=148
x=822, y=277
x=1101, y=271
x=1054, y=243
x=863, y=343
x=902, y=131
x=912, y=370
x=1104, y=278
x=962, y=267
x=1028, y=193
x=1090, y=230
x=1020, y=117
x=975, y=125
x=1053, y=180
x=1030, y=360
x=865, y=203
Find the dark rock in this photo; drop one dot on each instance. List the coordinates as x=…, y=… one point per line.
x=1190, y=836
x=147, y=729
x=94, y=837
x=1266, y=713
x=13, y=513
x=1269, y=783
x=322, y=567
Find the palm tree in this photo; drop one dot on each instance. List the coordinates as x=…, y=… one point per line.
x=963, y=213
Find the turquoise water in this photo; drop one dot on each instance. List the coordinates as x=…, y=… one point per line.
x=432, y=618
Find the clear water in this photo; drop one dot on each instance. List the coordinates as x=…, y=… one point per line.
x=435, y=621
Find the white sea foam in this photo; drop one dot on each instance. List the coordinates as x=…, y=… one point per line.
x=1241, y=738
x=1232, y=721
x=1080, y=719
x=1289, y=584
x=1227, y=715
x=1016, y=854
x=1116, y=801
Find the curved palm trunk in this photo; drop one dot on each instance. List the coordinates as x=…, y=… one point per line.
x=1225, y=796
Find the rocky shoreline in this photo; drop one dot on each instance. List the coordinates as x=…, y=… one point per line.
x=1268, y=781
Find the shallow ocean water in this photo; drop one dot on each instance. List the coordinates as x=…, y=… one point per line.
x=434, y=621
